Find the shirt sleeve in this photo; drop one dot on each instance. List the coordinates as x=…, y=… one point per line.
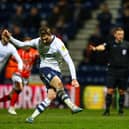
x=17, y=57
x=31, y=43
x=70, y=63
x=61, y=48
x=65, y=54
x=106, y=45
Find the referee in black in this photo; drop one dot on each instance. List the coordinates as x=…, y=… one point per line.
x=118, y=68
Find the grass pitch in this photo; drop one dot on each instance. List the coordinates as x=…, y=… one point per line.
x=63, y=119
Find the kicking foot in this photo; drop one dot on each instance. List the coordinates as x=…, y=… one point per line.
x=76, y=110
x=29, y=120
x=12, y=111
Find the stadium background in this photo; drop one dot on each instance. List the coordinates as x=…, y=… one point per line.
x=78, y=23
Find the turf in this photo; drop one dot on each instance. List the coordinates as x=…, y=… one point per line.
x=63, y=119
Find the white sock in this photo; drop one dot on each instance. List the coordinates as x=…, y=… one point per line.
x=46, y=103
x=69, y=103
x=35, y=114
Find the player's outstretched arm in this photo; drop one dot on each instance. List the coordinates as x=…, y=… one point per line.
x=7, y=34
x=31, y=43
x=100, y=47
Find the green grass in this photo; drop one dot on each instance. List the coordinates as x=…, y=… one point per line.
x=63, y=119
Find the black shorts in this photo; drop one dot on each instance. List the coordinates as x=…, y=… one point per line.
x=117, y=78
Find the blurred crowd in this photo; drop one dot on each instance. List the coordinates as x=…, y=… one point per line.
x=24, y=17
x=103, y=32
x=92, y=69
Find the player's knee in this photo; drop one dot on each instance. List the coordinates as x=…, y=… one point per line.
x=121, y=92
x=18, y=91
x=110, y=91
x=59, y=86
x=19, y=86
x=51, y=94
x=56, y=82
x=17, y=82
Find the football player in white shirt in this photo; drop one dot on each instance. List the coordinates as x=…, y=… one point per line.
x=7, y=50
x=51, y=49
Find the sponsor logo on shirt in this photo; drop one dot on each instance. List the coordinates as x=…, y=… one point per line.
x=63, y=48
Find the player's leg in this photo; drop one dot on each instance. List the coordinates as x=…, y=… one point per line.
x=5, y=98
x=121, y=101
x=17, y=88
x=122, y=88
x=14, y=99
x=111, y=80
x=51, y=95
x=53, y=78
x=58, y=85
x=13, y=96
x=108, y=101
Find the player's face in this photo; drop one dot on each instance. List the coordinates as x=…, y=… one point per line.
x=4, y=39
x=119, y=35
x=45, y=38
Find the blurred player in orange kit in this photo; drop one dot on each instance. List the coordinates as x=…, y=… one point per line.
x=19, y=79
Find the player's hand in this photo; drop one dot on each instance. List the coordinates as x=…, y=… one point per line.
x=18, y=73
x=91, y=47
x=75, y=83
x=6, y=33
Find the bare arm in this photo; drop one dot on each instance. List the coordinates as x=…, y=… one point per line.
x=100, y=47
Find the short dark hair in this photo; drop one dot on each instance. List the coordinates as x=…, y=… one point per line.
x=45, y=30
x=117, y=29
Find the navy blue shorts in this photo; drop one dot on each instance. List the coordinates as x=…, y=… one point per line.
x=47, y=74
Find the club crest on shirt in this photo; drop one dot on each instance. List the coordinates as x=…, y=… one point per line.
x=124, y=52
x=63, y=48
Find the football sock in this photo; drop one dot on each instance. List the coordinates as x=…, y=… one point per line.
x=41, y=107
x=108, y=101
x=14, y=99
x=5, y=98
x=64, y=97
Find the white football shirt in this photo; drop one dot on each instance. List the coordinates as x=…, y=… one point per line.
x=5, y=52
x=50, y=55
